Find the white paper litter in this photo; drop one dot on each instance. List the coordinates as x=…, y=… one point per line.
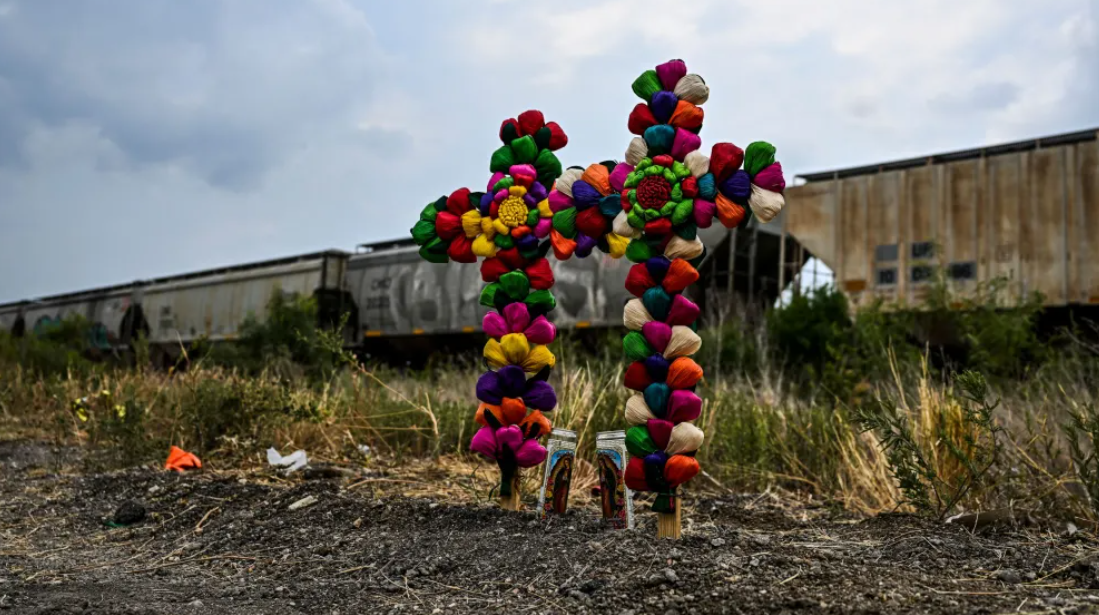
x=292, y=462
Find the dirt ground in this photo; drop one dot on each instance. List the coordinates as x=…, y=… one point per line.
x=227, y=542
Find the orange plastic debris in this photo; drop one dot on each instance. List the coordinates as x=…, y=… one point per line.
x=179, y=460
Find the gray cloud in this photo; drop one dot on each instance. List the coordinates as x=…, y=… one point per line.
x=147, y=137
x=979, y=97
x=224, y=90
x=386, y=141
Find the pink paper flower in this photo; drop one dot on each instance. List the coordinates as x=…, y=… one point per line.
x=508, y=441
x=516, y=319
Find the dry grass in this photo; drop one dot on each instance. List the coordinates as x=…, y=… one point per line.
x=758, y=435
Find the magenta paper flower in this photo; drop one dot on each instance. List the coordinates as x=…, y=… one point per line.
x=505, y=442
x=516, y=319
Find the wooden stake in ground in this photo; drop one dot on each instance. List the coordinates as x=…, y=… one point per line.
x=512, y=501
x=669, y=525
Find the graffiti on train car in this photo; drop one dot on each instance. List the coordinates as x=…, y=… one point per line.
x=98, y=336
x=45, y=325
x=399, y=295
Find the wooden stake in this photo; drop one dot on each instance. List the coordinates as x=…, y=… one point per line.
x=512, y=502
x=669, y=525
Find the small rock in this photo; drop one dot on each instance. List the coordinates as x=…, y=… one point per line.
x=303, y=503
x=671, y=575
x=718, y=542
x=591, y=586
x=196, y=604
x=1009, y=576
x=760, y=539
x=129, y=513
x=1030, y=576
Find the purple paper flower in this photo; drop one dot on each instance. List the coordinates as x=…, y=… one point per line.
x=511, y=381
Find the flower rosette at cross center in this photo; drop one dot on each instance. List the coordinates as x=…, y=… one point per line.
x=659, y=193
x=507, y=226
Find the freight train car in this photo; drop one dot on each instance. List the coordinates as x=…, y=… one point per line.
x=1026, y=211
x=397, y=304
x=398, y=293
x=177, y=310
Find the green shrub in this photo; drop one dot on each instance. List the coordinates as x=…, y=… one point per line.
x=1082, y=432
x=287, y=342
x=216, y=406
x=120, y=422
x=944, y=455
x=822, y=347
x=1002, y=342
x=805, y=332
x=53, y=350
x=730, y=347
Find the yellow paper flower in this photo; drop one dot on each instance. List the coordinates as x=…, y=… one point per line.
x=617, y=245
x=515, y=349
x=471, y=223
x=539, y=357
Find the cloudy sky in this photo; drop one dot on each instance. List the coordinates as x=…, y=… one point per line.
x=148, y=137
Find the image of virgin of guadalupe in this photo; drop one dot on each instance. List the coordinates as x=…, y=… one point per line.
x=562, y=479
x=610, y=477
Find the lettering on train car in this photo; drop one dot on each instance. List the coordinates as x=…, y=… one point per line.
x=380, y=302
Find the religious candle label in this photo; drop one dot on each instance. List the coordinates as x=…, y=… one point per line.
x=554, y=497
x=611, y=459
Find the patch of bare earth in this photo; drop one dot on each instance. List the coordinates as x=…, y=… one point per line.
x=228, y=542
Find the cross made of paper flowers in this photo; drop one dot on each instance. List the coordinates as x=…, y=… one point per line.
x=648, y=208
x=506, y=227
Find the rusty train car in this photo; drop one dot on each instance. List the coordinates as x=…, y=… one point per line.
x=1026, y=211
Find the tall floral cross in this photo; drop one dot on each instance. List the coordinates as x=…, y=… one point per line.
x=506, y=227
x=649, y=209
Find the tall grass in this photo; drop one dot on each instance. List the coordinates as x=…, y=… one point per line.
x=756, y=437
x=782, y=400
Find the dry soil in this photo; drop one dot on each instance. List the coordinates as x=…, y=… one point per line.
x=228, y=542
